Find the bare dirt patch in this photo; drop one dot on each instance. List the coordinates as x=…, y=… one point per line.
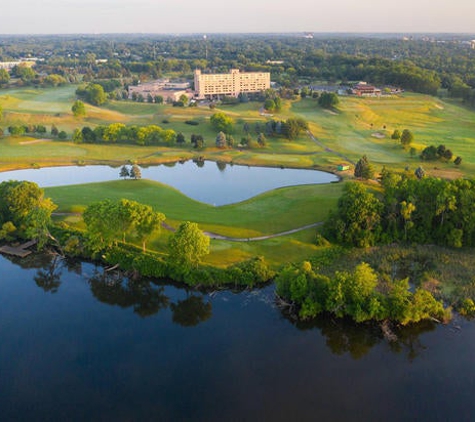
x=35, y=141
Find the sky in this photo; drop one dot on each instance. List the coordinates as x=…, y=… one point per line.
x=211, y=16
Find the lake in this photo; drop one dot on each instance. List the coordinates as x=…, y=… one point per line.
x=80, y=344
x=209, y=182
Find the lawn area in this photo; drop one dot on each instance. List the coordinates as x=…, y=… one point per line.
x=359, y=126
x=270, y=213
x=351, y=129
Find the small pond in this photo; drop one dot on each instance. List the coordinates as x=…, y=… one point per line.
x=208, y=182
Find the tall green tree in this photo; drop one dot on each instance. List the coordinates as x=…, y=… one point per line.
x=4, y=77
x=25, y=206
x=363, y=169
x=357, y=220
x=145, y=221
x=187, y=247
x=222, y=122
x=135, y=172
x=406, y=138
x=78, y=109
x=328, y=100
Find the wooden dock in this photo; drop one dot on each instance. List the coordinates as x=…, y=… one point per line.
x=20, y=251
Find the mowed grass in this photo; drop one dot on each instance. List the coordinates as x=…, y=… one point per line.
x=348, y=131
x=433, y=122
x=270, y=213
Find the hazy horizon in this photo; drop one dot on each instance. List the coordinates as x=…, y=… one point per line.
x=63, y=17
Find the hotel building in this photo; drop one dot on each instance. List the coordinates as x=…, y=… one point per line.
x=229, y=84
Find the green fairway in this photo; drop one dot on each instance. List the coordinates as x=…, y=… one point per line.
x=354, y=128
x=359, y=126
x=270, y=213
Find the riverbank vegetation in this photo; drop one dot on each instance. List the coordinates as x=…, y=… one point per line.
x=419, y=190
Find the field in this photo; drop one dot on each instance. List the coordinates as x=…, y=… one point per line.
x=273, y=212
x=358, y=126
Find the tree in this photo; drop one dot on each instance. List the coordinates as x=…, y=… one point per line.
x=168, y=136
x=407, y=208
x=396, y=135
x=357, y=220
x=24, y=205
x=62, y=135
x=420, y=172
x=183, y=99
x=458, y=161
x=77, y=136
x=88, y=135
x=135, y=172
x=221, y=140
x=222, y=123
x=4, y=77
x=146, y=222
x=363, y=169
x=187, y=246
x=269, y=105
x=54, y=130
x=180, y=138
x=262, y=140
x=293, y=126
x=429, y=153
x=101, y=230
x=78, y=109
x=1, y=112
x=328, y=100
x=406, y=137
x=93, y=94
x=124, y=172
x=114, y=132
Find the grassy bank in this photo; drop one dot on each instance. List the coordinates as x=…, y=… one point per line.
x=270, y=213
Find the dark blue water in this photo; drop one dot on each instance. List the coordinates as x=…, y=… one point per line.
x=210, y=182
x=79, y=344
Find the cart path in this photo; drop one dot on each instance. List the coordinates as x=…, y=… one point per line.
x=314, y=139
x=252, y=239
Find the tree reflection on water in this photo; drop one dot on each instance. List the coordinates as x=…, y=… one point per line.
x=113, y=288
x=345, y=336
x=147, y=298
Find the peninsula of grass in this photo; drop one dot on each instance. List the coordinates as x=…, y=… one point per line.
x=271, y=213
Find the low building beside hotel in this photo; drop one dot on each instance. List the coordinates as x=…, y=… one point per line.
x=160, y=87
x=362, y=89
x=231, y=84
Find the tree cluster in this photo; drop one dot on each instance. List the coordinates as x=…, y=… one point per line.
x=92, y=93
x=109, y=222
x=24, y=212
x=120, y=133
x=432, y=153
x=425, y=210
x=357, y=294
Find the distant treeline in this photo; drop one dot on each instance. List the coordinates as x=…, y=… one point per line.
x=418, y=65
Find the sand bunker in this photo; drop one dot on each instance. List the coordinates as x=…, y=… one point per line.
x=34, y=141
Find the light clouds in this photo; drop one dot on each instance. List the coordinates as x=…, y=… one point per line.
x=208, y=16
